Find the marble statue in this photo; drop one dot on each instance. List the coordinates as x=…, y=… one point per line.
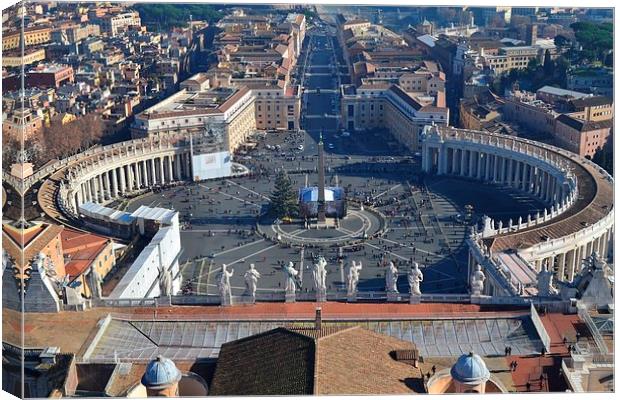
x=95, y=283
x=477, y=281
x=319, y=273
x=165, y=282
x=223, y=285
x=40, y=262
x=414, y=277
x=391, y=277
x=353, y=277
x=290, y=276
x=251, y=279
x=545, y=282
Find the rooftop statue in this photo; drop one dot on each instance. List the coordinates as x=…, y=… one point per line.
x=391, y=277
x=251, y=279
x=290, y=276
x=353, y=277
x=414, y=277
x=223, y=285
x=477, y=281
x=319, y=273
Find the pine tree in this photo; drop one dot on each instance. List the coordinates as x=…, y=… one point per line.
x=283, y=197
x=548, y=66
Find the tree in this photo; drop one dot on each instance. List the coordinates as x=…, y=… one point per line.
x=548, y=66
x=561, y=41
x=596, y=39
x=60, y=140
x=283, y=198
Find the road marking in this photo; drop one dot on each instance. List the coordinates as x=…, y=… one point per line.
x=249, y=190
x=200, y=268
x=252, y=255
x=411, y=247
x=391, y=252
x=384, y=192
x=236, y=198
x=237, y=248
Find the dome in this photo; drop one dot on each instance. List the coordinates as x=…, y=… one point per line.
x=470, y=369
x=160, y=373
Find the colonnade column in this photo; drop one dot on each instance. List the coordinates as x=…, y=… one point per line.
x=100, y=190
x=561, y=266
x=114, y=183
x=170, y=175
x=571, y=265
x=454, y=161
x=153, y=170
x=121, y=171
x=177, y=164
x=145, y=177
x=161, y=170
x=106, y=177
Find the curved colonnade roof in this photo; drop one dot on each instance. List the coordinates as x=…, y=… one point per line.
x=594, y=201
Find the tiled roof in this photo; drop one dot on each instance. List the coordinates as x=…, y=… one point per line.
x=584, y=126
x=591, y=101
x=326, y=361
x=277, y=362
x=405, y=97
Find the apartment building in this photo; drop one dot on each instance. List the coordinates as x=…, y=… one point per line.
x=14, y=59
x=32, y=36
x=593, y=108
x=277, y=107
x=529, y=112
x=510, y=58
x=582, y=137
x=186, y=111
x=112, y=24
x=389, y=106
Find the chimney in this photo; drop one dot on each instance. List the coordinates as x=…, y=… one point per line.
x=317, y=319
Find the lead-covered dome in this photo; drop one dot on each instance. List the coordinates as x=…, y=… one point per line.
x=470, y=369
x=160, y=373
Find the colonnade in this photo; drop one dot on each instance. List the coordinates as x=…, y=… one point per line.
x=126, y=176
x=538, y=170
x=492, y=165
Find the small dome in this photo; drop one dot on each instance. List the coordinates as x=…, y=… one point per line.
x=160, y=373
x=470, y=369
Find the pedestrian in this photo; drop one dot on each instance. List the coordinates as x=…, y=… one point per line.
x=515, y=366
x=434, y=369
x=528, y=386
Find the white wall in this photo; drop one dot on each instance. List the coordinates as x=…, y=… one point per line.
x=213, y=165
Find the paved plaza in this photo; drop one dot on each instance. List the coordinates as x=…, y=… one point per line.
x=422, y=217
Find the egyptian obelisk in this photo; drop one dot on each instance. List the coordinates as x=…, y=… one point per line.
x=321, y=198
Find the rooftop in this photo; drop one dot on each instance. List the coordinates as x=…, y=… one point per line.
x=185, y=103
x=561, y=92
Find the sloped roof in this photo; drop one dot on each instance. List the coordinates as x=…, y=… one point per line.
x=277, y=362
x=584, y=126
x=326, y=361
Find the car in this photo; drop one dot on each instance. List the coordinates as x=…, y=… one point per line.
x=331, y=146
x=346, y=134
